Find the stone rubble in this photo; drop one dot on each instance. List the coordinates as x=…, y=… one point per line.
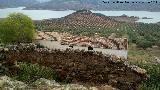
x=135, y=68
x=6, y=83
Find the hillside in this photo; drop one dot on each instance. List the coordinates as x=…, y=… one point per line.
x=97, y=5
x=85, y=18
x=81, y=19
x=16, y=3
x=84, y=22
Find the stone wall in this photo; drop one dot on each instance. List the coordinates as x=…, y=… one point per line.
x=7, y=67
x=81, y=66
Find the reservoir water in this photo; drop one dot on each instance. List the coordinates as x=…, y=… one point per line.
x=46, y=14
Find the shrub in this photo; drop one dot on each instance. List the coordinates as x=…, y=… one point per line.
x=153, y=83
x=31, y=72
x=143, y=43
x=16, y=28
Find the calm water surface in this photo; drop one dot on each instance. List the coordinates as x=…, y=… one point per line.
x=46, y=14
x=35, y=14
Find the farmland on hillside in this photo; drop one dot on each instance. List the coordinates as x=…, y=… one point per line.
x=87, y=23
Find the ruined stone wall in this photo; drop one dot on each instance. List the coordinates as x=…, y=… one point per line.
x=7, y=67
x=82, y=66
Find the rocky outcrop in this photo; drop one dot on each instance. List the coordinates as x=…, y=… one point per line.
x=81, y=66
x=7, y=83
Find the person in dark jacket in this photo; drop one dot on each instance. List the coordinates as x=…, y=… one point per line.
x=71, y=46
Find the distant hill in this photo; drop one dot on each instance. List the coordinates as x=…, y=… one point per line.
x=97, y=5
x=82, y=21
x=81, y=18
x=66, y=4
x=16, y=3
x=158, y=23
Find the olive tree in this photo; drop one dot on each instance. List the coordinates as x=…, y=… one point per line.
x=143, y=43
x=17, y=28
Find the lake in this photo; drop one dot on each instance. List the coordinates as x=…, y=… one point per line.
x=46, y=14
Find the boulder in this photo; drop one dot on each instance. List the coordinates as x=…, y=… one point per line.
x=156, y=60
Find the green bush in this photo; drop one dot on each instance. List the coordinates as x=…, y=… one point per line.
x=143, y=43
x=31, y=72
x=153, y=83
x=17, y=28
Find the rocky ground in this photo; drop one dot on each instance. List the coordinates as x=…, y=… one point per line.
x=6, y=83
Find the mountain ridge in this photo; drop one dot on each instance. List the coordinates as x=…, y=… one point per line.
x=97, y=5
x=16, y=3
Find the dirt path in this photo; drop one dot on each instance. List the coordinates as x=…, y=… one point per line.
x=57, y=45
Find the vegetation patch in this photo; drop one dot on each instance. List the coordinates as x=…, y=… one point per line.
x=153, y=83
x=31, y=72
x=145, y=59
x=17, y=28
